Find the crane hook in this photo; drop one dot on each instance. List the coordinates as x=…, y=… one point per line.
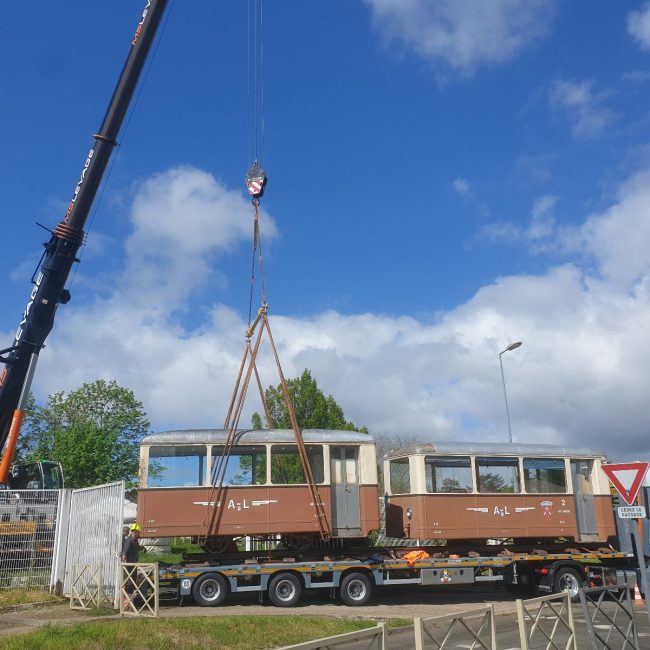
x=256, y=181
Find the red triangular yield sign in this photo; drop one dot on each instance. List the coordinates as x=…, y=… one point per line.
x=626, y=478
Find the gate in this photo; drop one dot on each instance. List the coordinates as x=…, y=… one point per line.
x=95, y=535
x=28, y=524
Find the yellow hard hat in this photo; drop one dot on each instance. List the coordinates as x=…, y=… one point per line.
x=136, y=527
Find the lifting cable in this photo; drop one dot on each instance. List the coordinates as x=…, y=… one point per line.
x=256, y=181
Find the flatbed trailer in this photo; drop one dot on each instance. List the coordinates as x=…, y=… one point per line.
x=353, y=580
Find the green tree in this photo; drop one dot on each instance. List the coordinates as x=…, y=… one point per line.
x=313, y=409
x=94, y=432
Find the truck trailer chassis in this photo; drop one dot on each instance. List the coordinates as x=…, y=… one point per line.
x=354, y=580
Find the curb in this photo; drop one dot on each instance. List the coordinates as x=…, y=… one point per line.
x=4, y=609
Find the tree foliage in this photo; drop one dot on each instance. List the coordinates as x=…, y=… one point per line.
x=313, y=409
x=94, y=432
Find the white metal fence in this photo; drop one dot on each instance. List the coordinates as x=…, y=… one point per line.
x=28, y=525
x=94, y=534
x=373, y=638
x=547, y=622
x=476, y=627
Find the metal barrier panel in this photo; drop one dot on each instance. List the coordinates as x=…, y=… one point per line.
x=610, y=620
x=95, y=534
x=28, y=523
x=374, y=636
x=139, y=589
x=476, y=627
x=548, y=619
x=87, y=586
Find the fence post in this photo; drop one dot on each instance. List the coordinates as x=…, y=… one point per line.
x=572, y=626
x=419, y=633
x=493, y=628
x=381, y=645
x=521, y=620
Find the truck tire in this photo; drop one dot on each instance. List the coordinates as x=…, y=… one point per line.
x=568, y=579
x=285, y=589
x=209, y=589
x=355, y=589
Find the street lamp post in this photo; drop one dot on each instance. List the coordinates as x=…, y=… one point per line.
x=512, y=346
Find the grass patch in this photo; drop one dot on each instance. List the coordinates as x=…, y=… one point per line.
x=11, y=597
x=178, y=546
x=163, y=558
x=104, y=610
x=216, y=633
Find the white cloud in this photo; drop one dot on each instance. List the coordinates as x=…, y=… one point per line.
x=638, y=26
x=181, y=219
x=464, y=189
x=580, y=378
x=584, y=109
x=536, y=234
x=617, y=238
x=463, y=34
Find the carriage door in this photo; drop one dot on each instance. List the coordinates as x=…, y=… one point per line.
x=344, y=470
x=585, y=509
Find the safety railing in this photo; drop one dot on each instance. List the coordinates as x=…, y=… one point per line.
x=87, y=590
x=475, y=627
x=28, y=522
x=139, y=589
x=548, y=619
x=609, y=615
x=374, y=636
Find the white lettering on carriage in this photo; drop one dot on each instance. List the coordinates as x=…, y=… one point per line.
x=238, y=506
x=503, y=512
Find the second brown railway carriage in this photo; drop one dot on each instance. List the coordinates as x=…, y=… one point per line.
x=477, y=491
x=265, y=492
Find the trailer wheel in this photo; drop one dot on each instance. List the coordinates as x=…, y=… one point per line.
x=285, y=590
x=210, y=589
x=568, y=579
x=356, y=589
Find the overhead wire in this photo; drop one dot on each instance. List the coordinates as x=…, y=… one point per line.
x=256, y=178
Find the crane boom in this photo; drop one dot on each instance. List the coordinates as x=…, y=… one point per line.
x=60, y=251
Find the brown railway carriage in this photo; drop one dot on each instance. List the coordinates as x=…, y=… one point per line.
x=472, y=491
x=265, y=492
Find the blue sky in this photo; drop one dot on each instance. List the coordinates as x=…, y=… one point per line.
x=445, y=177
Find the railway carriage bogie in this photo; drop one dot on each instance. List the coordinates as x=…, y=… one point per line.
x=298, y=542
x=218, y=545
x=210, y=589
x=285, y=589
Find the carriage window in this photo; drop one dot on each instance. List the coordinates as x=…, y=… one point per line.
x=544, y=475
x=400, y=479
x=246, y=465
x=286, y=466
x=498, y=474
x=176, y=466
x=343, y=465
x=448, y=473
